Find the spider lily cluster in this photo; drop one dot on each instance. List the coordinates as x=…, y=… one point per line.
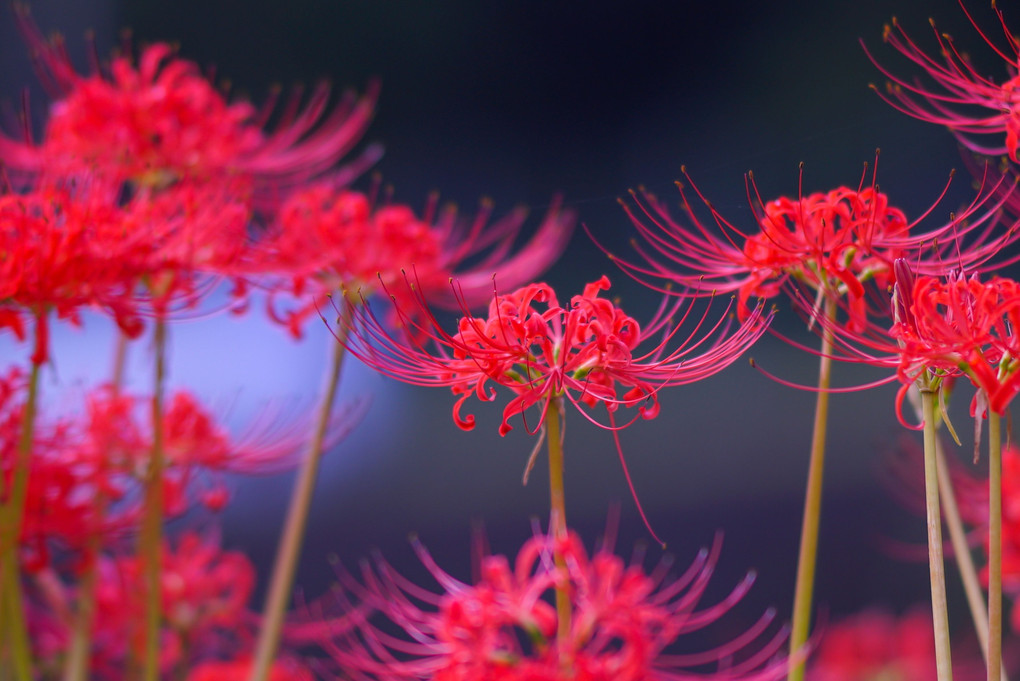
x=149, y=188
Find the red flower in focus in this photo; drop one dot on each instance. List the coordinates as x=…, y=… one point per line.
x=957, y=96
x=160, y=120
x=623, y=621
x=839, y=245
x=539, y=350
x=325, y=239
x=874, y=645
x=961, y=325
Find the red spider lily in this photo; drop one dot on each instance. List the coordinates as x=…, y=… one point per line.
x=73, y=244
x=159, y=120
x=838, y=245
x=197, y=449
x=205, y=592
x=540, y=350
x=189, y=235
x=59, y=509
x=326, y=239
x=84, y=473
x=62, y=253
x=623, y=621
x=958, y=96
x=876, y=644
x=943, y=329
x=240, y=670
x=963, y=325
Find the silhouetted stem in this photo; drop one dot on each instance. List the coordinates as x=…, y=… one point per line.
x=808, y=556
x=936, y=565
x=994, y=546
x=558, y=515
x=289, y=550
x=150, y=542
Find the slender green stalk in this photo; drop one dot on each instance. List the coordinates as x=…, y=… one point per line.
x=936, y=562
x=962, y=553
x=994, y=546
x=808, y=556
x=289, y=549
x=150, y=541
x=119, y=361
x=558, y=516
x=15, y=632
x=76, y=666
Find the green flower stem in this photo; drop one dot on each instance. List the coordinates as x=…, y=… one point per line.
x=289, y=549
x=76, y=666
x=119, y=361
x=15, y=634
x=808, y=556
x=994, y=546
x=557, y=503
x=151, y=538
x=962, y=553
x=936, y=562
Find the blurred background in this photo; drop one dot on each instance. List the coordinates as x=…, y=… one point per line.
x=520, y=102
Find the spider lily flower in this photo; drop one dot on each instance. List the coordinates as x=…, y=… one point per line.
x=325, y=239
x=85, y=472
x=205, y=592
x=539, y=350
x=962, y=324
x=62, y=253
x=198, y=450
x=956, y=93
x=59, y=513
x=942, y=328
x=838, y=245
x=876, y=644
x=240, y=670
x=159, y=120
x=624, y=621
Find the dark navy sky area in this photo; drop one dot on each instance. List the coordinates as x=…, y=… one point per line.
x=519, y=101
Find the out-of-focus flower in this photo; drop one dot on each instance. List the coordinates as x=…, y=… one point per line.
x=956, y=95
x=159, y=120
x=586, y=351
x=624, y=621
x=205, y=593
x=876, y=645
x=240, y=670
x=62, y=252
x=838, y=245
x=198, y=450
x=325, y=239
x=60, y=512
